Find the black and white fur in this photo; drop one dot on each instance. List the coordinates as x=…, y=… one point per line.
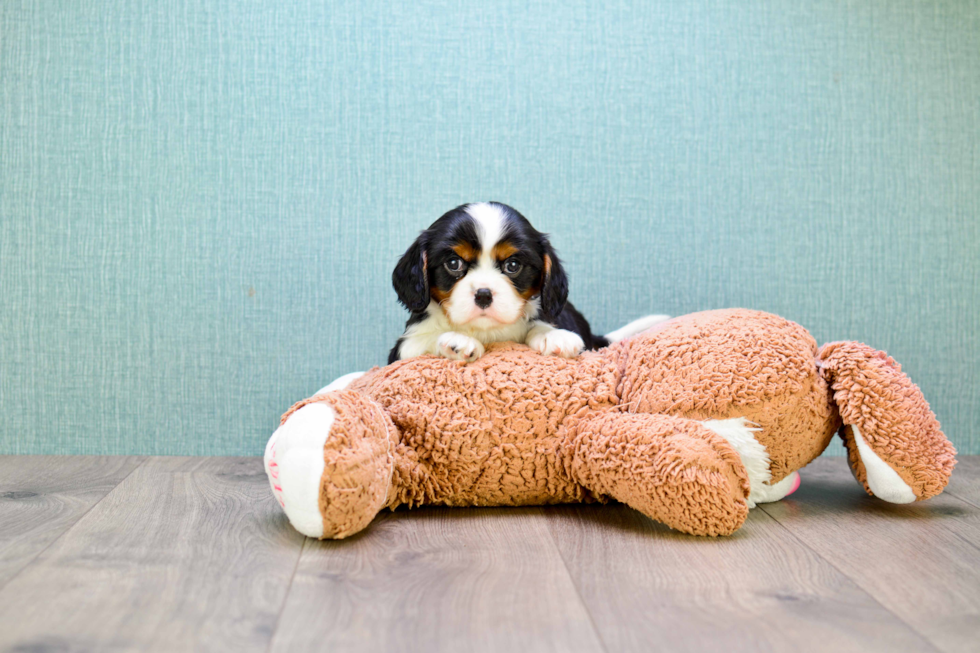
x=480, y=274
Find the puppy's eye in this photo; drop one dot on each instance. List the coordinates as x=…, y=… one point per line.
x=455, y=265
x=512, y=266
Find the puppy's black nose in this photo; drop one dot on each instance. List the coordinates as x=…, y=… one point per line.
x=483, y=297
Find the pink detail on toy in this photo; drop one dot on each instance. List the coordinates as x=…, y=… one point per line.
x=796, y=486
x=274, y=473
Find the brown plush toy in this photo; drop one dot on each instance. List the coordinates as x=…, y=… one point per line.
x=692, y=423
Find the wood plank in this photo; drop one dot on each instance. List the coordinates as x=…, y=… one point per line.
x=437, y=579
x=41, y=497
x=965, y=482
x=651, y=588
x=185, y=554
x=921, y=561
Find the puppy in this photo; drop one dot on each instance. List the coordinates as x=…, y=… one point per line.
x=480, y=274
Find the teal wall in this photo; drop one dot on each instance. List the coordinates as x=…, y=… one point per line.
x=202, y=200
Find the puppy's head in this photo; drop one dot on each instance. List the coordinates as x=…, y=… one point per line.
x=485, y=266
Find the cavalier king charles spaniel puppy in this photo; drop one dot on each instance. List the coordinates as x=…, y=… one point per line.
x=480, y=274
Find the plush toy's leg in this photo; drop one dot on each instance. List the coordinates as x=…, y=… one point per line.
x=330, y=463
x=674, y=470
x=894, y=444
x=739, y=432
x=635, y=327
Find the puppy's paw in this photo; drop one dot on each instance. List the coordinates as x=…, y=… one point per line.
x=457, y=346
x=557, y=342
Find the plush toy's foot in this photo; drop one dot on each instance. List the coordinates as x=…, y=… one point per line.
x=294, y=465
x=894, y=444
x=780, y=490
x=879, y=478
x=330, y=463
x=740, y=433
x=672, y=469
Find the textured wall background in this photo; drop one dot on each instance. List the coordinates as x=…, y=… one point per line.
x=201, y=200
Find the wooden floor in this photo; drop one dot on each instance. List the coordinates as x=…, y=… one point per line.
x=182, y=554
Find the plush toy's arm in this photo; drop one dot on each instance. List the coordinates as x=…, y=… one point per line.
x=672, y=469
x=330, y=463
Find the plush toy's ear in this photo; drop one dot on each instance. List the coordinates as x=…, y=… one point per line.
x=554, y=283
x=411, y=276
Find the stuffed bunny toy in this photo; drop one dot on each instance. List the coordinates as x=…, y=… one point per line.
x=692, y=422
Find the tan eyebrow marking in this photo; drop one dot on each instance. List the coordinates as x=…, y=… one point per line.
x=504, y=250
x=466, y=251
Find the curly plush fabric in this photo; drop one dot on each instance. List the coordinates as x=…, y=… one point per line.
x=472, y=435
x=892, y=415
x=626, y=423
x=668, y=468
x=732, y=363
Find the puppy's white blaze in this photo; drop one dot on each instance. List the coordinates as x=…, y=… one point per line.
x=490, y=221
x=884, y=481
x=294, y=465
x=507, y=306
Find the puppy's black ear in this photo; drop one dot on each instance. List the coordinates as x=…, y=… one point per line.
x=554, y=283
x=411, y=276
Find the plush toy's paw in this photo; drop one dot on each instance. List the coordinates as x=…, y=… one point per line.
x=330, y=463
x=740, y=433
x=294, y=464
x=459, y=347
x=557, y=342
x=879, y=477
x=674, y=470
